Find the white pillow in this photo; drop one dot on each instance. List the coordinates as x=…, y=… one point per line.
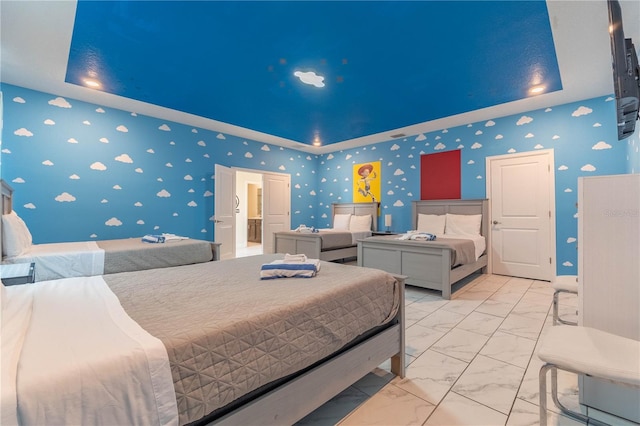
x=431, y=223
x=463, y=224
x=16, y=238
x=341, y=221
x=360, y=223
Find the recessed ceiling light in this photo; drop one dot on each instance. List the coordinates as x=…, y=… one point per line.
x=316, y=143
x=398, y=135
x=92, y=83
x=537, y=89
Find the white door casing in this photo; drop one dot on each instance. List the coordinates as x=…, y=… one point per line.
x=520, y=188
x=224, y=211
x=276, y=206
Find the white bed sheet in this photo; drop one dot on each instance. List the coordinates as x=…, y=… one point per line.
x=82, y=359
x=63, y=260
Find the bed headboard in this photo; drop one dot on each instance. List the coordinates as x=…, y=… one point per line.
x=6, y=194
x=359, y=209
x=453, y=207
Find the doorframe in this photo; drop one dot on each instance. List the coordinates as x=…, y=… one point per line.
x=552, y=201
x=261, y=173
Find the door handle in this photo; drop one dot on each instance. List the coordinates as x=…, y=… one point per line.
x=218, y=221
x=495, y=222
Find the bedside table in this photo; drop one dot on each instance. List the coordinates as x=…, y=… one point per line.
x=18, y=273
x=374, y=233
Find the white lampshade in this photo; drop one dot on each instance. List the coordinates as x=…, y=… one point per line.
x=387, y=220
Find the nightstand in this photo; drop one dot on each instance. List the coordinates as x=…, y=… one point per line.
x=18, y=273
x=374, y=233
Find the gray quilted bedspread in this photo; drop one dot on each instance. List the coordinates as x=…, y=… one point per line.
x=131, y=254
x=228, y=333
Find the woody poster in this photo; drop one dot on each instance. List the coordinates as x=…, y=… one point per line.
x=366, y=182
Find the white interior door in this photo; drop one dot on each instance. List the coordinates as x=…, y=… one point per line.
x=276, y=206
x=224, y=211
x=520, y=190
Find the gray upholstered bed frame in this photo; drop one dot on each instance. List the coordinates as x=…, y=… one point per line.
x=311, y=244
x=425, y=266
x=6, y=193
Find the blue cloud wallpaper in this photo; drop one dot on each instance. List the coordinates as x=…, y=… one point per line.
x=82, y=171
x=582, y=135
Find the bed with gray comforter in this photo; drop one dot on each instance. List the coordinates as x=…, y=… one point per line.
x=228, y=333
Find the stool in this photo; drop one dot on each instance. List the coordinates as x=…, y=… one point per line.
x=588, y=351
x=563, y=284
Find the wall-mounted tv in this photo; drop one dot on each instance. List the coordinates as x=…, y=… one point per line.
x=626, y=73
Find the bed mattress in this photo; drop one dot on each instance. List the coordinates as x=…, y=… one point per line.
x=227, y=333
x=131, y=254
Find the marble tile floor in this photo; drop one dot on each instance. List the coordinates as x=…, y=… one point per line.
x=471, y=361
x=251, y=249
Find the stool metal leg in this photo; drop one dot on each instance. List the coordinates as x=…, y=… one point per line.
x=556, y=317
x=542, y=377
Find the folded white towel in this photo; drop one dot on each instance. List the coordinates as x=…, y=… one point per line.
x=295, y=258
x=173, y=237
x=287, y=270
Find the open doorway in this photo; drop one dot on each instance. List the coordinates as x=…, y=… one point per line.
x=248, y=214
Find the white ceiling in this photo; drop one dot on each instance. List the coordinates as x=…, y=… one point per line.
x=35, y=38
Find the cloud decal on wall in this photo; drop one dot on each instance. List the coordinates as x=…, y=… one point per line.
x=490, y=123
x=29, y=206
x=74, y=177
x=498, y=137
x=202, y=143
x=19, y=100
x=420, y=137
x=601, y=145
x=588, y=168
x=398, y=172
x=98, y=166
x=18, y=180
x=248, y=155
x=439, y=146
x=122, y=128
x=138, y=170
x=65, y=197
x=164, y=128
x=192, y=204
x=138, y=204
x=104, y=140
x=220, y=136
x=567, y=263
x=395, y=147
x=60, y=102
x=116, y=187
x=49, y=122
x=398, y=203
x=72, y=140
x=163, y=194
x=208, y=194
x=47, y=163
x=188, y=177
x=476, y=145
x=114, y=221
x=100, y=110
x=86, y=123
x=124, y=158
x=524, y=120
x=282, y=168
x=563, y=167
x=583, y=110
x=23, y=132
x=529, y=135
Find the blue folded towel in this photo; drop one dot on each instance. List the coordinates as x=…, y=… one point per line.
x=153, y=239
x=287, y=270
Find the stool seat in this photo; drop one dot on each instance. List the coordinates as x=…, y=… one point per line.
x=594, y=352
x=566, y=283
